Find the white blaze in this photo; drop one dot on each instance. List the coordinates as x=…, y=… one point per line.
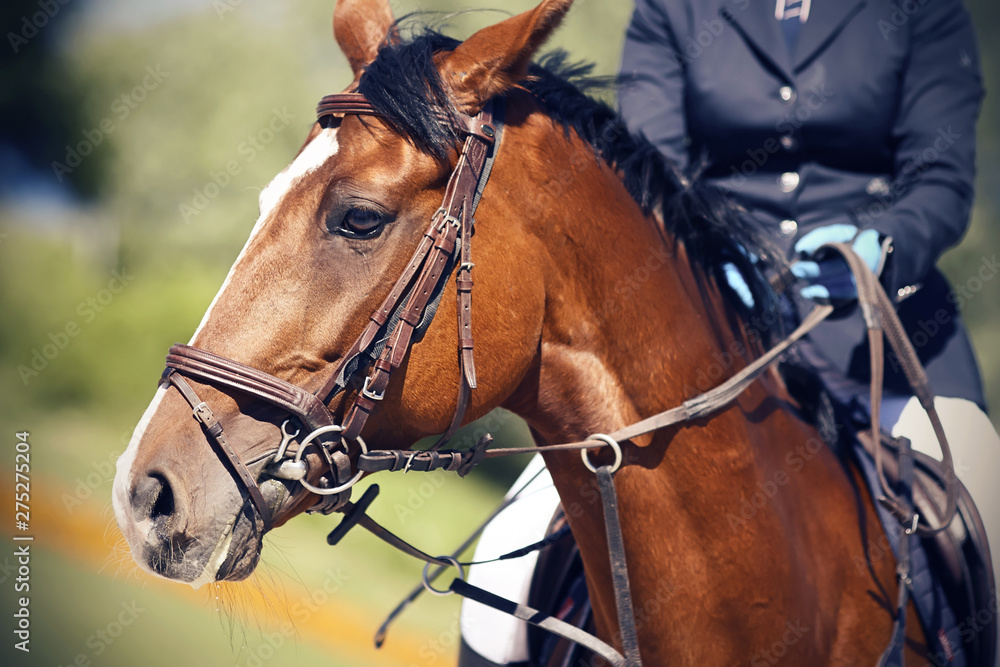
x=123, y=473
x=320, y=149
x=323, y=147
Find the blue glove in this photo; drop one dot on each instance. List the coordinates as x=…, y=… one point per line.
x=831, y=279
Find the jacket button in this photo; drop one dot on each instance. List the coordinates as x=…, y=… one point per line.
x=877, y=186
x=788, y=227
x=788, y=142
x=786, y=94
x=788, y=181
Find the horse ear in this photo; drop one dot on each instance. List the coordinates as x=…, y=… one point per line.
x=494, y=59
x=360, y=28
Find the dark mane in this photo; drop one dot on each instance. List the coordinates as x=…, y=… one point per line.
x=405, y=87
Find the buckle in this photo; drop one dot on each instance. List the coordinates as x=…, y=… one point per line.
x=369, y=394
x=449, y=220
x=203, y=413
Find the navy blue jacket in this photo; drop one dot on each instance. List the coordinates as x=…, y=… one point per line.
x=869, y=121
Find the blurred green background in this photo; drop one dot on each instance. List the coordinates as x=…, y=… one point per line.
x=166, y=94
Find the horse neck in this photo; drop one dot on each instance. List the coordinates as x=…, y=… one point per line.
x=632, y=329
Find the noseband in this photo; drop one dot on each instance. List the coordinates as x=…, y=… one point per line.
x=391, y=330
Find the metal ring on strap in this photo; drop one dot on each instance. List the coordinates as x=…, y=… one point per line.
x=612, y=444
x=426, y=578
x=312, y=436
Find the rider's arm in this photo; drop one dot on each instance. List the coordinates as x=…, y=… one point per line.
x=935, y=141
x=652, y=95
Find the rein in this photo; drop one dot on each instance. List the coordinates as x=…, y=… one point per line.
x=403, y=317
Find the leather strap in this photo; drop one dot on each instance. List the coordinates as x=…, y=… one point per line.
x=345, y=103
x=880, y=318
x=434, y=574
x=397, y=542
x=202, y=364
x=406, y=310
x=696, y=408
x=184, y=359
x=893, y=654
x=450, y=229
x=544, y=621
x=213, y=427
x=619, y=568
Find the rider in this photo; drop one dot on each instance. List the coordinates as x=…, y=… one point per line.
x=838, y=122
x=830, y=121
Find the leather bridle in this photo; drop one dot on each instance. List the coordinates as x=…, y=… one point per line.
x=391, y=330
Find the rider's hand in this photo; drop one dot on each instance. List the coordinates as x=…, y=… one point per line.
x=829, y=278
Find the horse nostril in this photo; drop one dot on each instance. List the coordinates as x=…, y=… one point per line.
x=164, y=504
x=153, y=499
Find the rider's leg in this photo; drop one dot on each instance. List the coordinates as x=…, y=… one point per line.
x=490, y=637
x=975, y=447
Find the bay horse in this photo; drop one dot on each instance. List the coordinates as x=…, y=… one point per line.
x=597, y=305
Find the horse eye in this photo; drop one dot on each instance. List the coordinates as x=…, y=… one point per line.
x=361, y=222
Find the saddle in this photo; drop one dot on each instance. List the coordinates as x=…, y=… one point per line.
x=955, y=577
x=958, y=575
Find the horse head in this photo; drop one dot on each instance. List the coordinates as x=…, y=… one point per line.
x=337, y=227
